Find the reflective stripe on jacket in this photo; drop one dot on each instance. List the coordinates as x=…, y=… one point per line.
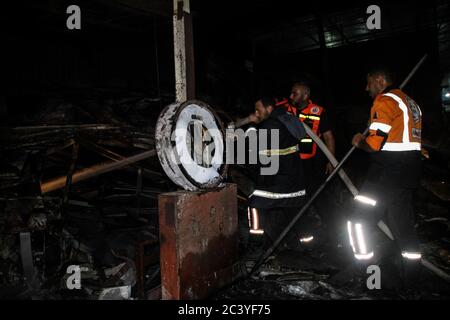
x=395, y=123
x=311, y=116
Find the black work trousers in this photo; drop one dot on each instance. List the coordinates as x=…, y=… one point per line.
x=391, y=181
x=324, y=204
x=394, y=207
x=275, y=220
x=314, y=169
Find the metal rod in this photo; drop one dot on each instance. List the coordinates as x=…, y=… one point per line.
x=26, y=253
x=405, y=82
x=139, y=190
x=98, y=169
x=427, y=264
x=69, y=126
x=69, y=176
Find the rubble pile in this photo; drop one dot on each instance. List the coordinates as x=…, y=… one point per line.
x=105, y=227
x=101, y=234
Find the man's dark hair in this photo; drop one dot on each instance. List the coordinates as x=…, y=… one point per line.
x=383, y=71
x=267, y=101
x=303, y=83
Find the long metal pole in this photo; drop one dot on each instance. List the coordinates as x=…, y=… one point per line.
x=405, y=82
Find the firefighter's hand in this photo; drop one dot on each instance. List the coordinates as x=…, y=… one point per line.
x=253, y=118
x=329, y=168
x=357, y=138
x=425, y=153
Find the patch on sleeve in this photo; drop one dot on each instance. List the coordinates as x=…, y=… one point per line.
x=315, y=110
x=415, y=110
x=416, y=133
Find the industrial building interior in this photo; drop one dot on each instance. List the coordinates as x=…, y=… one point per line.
x=82, y=187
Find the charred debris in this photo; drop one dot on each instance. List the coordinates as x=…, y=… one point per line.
x=107, y=224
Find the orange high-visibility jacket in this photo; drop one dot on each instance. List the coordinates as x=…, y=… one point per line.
x=311, y=116
x=395, y=123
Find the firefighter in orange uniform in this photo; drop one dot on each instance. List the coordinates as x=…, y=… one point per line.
x=315, y=165
x=315, y=117
x=394, y=143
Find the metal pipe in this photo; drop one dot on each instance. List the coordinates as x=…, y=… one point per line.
x=427, y=264
x=405, y=82
x=98, y=169
x=68, y=126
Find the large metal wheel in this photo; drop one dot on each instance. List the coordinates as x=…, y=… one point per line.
x=190, y=145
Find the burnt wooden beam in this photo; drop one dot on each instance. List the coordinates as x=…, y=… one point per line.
x=114, y=156
x=96, y=170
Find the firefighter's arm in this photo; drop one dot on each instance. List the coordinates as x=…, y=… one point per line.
x=253, y=118
x=381, y=115
x=328, y=137
x=359, y=141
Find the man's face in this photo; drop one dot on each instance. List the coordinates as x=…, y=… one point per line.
x=375, y=85
x=262, y=112
x=299, y=94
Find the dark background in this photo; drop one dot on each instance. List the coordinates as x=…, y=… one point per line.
x=243, y=49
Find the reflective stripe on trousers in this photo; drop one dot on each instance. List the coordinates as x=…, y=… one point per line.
x=366, y=200
x=411, y=255
x=274, y=195
x=358, y=241
x=254, y=221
